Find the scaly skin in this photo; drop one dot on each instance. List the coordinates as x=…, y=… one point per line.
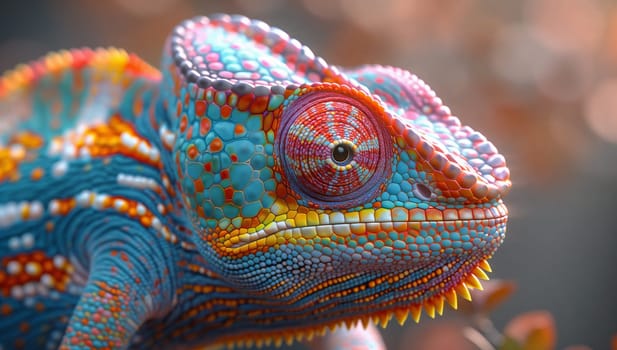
x=250, y=193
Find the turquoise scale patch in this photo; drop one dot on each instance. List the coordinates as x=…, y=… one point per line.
x=233, y=67
x=265, y=174
x=230, y=210
x=200, y=144
x=275, y=102
x=237, y=221
x=220, y=98
x=253, y=122
x=214, y=112
x=194, y=170
x=239, y=175
x=393, y=188
x=208, y=209
x=270, y=185
x=257, y=137
x=238, y=198
x=243, y=149
x=399, y=244
x=258, y=162
x=253, y=191
x=239, y=117
x=225, y=130
x=224, y=160
x=217, y=195
x=267, y=201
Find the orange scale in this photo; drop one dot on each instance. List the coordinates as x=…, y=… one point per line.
x=439, y=162
x=451, y=185
x=200, y=108
x=479, y=190
x=466, y=179
x=199, y=185
x=425, y=150
x=244, y=102
x=204, y=126
x=451, y=171
x=281, y=191
x=239, y=130
x=226, y=111
x=192, y=152
x=259, y=104
x=201, y=213
x=434, y=215
x=216, y=145
x=249, y=222
x=183, y=120
x=465, y=192
x=146, y=220
x=229, y=192
x=268, y=121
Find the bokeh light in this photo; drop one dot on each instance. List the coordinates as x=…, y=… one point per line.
x=601, y=110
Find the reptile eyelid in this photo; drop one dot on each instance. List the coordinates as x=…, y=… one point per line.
x=422, y=191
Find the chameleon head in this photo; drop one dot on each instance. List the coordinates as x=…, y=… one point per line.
x=342, y=194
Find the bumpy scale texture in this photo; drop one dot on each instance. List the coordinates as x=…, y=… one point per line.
x=249, y=193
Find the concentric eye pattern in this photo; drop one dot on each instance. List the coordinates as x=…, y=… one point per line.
x=334, y=151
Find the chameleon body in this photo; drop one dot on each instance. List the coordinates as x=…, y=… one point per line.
x=248, y=193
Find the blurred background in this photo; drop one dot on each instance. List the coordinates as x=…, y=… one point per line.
x=537, y=77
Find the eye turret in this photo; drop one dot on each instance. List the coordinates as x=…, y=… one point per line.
x=333, y=149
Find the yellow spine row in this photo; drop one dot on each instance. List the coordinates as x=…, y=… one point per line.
x=431, y=307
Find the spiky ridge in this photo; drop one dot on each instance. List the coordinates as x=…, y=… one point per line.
x=431, y=307
x=111, y=62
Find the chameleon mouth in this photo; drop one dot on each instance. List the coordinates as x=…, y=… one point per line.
x=407, y=222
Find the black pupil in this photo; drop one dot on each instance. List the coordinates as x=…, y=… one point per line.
x=341, y=153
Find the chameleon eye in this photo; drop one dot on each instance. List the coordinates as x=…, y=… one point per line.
x=342, y=152
x=332, y=149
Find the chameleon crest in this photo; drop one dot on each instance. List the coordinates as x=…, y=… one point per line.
x=250, y=193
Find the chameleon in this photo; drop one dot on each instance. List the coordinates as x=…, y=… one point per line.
x=247, y=193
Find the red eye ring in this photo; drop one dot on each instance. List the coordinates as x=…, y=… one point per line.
x=333, y=150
